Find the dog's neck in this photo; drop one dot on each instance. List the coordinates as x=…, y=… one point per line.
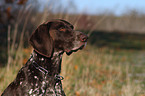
x=52, y=65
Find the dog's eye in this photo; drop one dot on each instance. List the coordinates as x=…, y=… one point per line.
x=62, y=29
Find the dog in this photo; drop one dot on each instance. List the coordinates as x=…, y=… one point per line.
x=40, y=75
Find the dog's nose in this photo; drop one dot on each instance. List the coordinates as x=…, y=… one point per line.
x=83, y=38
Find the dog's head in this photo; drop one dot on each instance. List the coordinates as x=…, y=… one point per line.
x=57, y=35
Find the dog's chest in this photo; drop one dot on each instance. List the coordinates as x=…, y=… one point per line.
x=41, y=82
x=45, y=87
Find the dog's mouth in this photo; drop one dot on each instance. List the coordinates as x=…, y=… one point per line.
x=75, y=49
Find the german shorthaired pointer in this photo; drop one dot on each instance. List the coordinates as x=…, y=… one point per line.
x=40, y=75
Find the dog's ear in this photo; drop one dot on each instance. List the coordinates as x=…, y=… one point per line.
x=42, y=41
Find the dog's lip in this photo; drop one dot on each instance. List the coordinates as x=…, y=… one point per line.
x=83, y=46
x=76, y=48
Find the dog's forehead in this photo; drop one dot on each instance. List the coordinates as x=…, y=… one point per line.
x=61, y=23
x=70, y=25
x=65, y=22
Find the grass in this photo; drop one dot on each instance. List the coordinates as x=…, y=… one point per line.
x=95, y=72
x=104, y=72
x=113, y=67
x=118, y=40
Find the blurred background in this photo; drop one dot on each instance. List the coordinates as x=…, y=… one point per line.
x=112, y=64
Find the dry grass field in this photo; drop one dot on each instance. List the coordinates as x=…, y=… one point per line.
x=95, y=72
x=112, y=64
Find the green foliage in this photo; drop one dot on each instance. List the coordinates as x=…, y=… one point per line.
x=118, y=40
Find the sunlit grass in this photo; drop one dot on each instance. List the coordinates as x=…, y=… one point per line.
x=101, y=72
x=95, y=72
x=89, y=72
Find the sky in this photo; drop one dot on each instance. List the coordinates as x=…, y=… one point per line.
x=117, y=6
x=99, y=6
